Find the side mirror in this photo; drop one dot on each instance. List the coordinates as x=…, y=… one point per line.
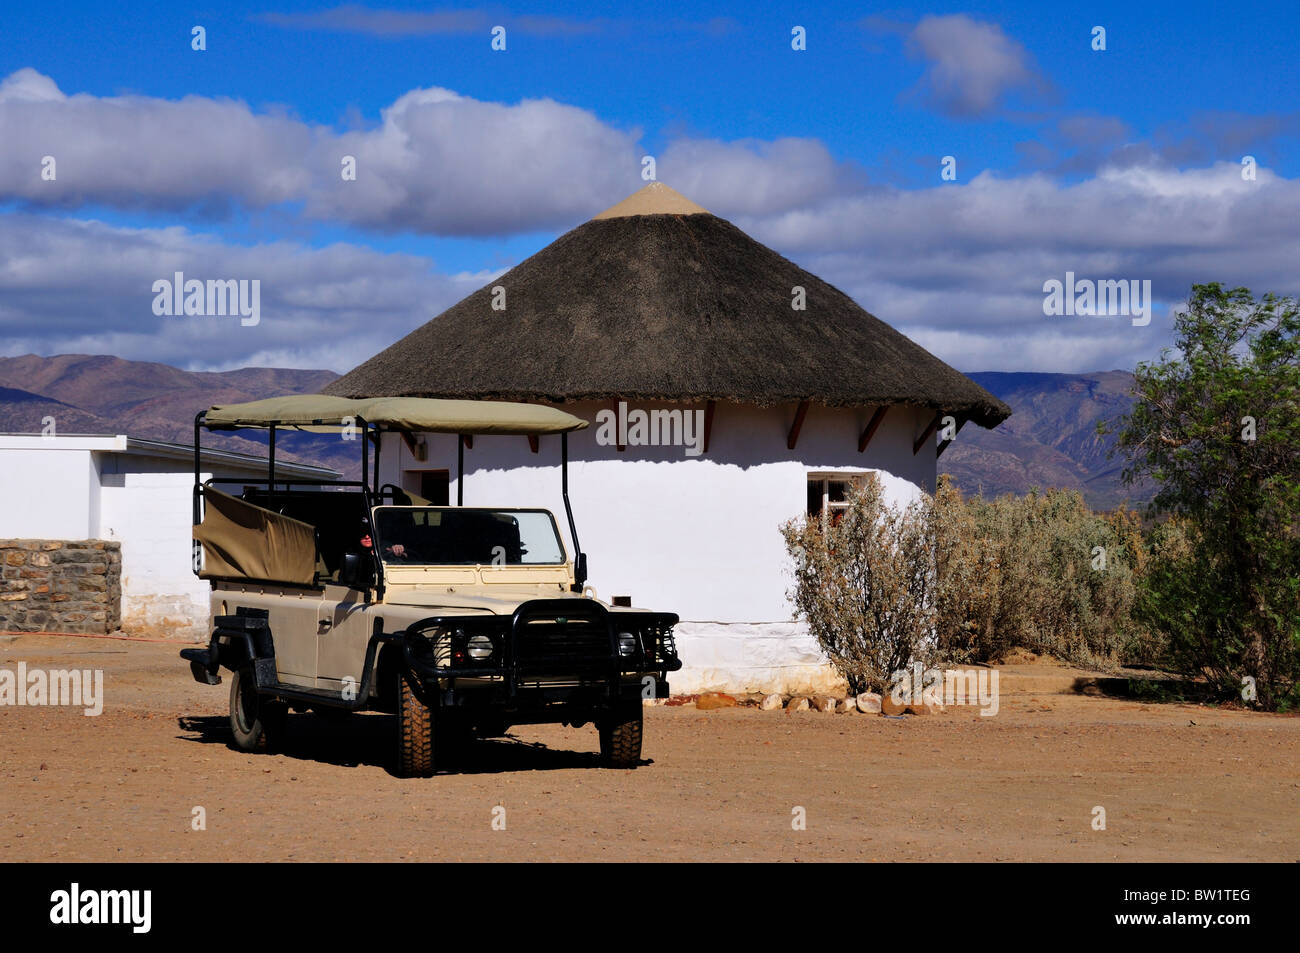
x=580, y=571
x=357, y=571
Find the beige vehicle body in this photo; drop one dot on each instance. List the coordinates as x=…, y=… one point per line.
x=322, y=633
x=346, y=596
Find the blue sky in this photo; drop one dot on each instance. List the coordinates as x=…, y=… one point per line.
x=1122, y=163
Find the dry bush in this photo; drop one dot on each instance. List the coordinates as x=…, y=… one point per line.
x=864, y=582
x=1057, y=593
x=969, y=567
x=965, y=580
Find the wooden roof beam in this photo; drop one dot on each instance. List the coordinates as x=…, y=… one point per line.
x=872, y=427
x=799, y=415
x=943, y=445
x=929, y=432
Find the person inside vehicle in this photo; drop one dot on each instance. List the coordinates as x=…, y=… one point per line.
x=391, y=550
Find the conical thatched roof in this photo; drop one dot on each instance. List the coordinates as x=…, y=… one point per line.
x=657, y=299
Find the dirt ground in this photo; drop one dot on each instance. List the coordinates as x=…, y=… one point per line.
x=1177, y=782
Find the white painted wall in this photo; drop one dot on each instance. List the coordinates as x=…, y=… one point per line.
x=47, y=492
x=146, y=505
x=93, y=488
x=699, y=536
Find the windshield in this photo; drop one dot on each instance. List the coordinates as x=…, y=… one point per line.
x=456, y=536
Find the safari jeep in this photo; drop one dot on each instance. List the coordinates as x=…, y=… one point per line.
x=346, y=596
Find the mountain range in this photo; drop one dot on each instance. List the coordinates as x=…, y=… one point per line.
x=101, y=394
x=1051, y=439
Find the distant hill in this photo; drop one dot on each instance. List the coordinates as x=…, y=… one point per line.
x=21, y=411
x=1050, y=440
x=101, y=394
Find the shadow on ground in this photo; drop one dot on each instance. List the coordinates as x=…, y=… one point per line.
x=1153, y=687
x=369, y=739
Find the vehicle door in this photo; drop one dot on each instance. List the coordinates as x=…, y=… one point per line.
x=345, y=622
x=291, y=615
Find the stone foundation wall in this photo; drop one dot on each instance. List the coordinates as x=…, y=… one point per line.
x=49, y=585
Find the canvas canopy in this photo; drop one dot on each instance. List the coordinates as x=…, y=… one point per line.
x=243, y=541
x=410, y=414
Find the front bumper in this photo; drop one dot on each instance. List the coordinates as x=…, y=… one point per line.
x=550, y=651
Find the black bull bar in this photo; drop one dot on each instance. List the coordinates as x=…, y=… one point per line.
x=545, y=638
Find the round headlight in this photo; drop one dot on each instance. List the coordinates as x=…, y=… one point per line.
x=626, y=643
x=479, y=647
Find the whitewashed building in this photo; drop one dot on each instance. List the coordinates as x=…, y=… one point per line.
x=130, y=490
x=781, y=390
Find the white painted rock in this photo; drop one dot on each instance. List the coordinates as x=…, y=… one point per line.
x=798, y=703
x=869, y=703
x=770, y=703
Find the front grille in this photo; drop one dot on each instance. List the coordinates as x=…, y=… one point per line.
x=577, y=640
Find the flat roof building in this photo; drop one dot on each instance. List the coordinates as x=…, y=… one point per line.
x=133, y=491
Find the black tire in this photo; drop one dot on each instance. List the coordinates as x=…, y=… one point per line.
x=620, y=737
x=415, y=735
x=257, y=723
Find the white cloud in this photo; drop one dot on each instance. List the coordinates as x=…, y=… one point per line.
x=958, y=267
x=961, y=269
x=28, y=86
x=141, y=152
x=971, y=65
x=352, y=18
x=753, y=177
x=86, y=287
x=438, y=162
x=379, y=22
x=444, y=163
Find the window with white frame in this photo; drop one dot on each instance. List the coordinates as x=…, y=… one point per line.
x=828, y=493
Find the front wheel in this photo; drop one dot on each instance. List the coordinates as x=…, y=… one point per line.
x=257, y=723
x=620, y=736
x=415, y=755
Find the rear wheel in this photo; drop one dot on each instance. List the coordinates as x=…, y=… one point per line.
x=257, y=723
x=620, y=736
x=415, y=754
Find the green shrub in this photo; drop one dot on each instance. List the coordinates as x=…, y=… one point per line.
x=1216, y=425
